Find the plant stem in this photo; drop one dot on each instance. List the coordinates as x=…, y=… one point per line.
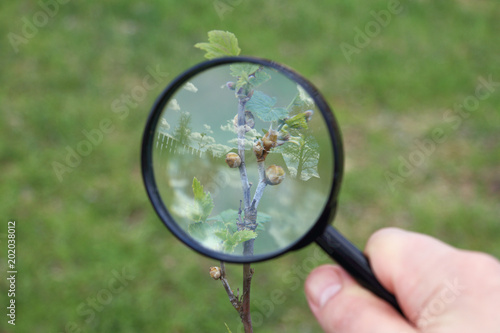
x=262, y=185
x=242, y=305
x=245, y=301
x=233, y=299
x=249, y=222
x=241, y=151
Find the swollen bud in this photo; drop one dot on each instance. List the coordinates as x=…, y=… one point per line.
x=309, y=114
x=270, y=140
x=215, y=272
x=259, y=152
x=274, y=175
x=233, y=160
x=249, y=121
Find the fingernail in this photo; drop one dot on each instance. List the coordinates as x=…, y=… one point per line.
x=328, y=293
x=323, y=284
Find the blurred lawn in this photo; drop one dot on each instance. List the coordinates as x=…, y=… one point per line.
x=75, y=235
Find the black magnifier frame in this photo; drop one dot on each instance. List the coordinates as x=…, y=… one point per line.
x=339, y=248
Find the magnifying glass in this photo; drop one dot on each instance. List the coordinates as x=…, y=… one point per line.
x=242, y=160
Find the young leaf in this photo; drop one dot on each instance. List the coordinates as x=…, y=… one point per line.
x=242, y=72
x=243, y=235
x=249, y=74
x=263, y=106
x=203, y=203
x=220, y=44
x=297, y=121
x=243, y=69
x=237, y=238
x=259, y=78
x=208, y=233
x=304, y=96
x=229, y=217
x=198, y=230
x=302, y=100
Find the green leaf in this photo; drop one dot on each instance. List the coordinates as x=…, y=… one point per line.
x=249, y=74
x=202, y=231
x=277, y=114
x=243, y=69
x=198, y=230
x=259, y=78
x=297, y=121
x=304, y=97
x=229, y=217
x=203, y=203
x=243, y=235
x=302, y=100
x=237, y=238
x=220, y=44
x=262, y=105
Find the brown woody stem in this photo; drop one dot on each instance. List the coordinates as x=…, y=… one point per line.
x=233, y=299
x=242, y=305
x=245, y=299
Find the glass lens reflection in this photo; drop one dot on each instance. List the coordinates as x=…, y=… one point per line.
x=242, y=159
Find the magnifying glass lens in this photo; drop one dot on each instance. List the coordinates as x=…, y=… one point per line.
x=242, y=159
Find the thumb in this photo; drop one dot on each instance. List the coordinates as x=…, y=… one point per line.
x=342, y=306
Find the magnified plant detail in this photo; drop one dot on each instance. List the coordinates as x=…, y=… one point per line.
x=237, y=149
x=285, y=129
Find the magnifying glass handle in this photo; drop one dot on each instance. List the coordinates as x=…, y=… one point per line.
x=354, y=262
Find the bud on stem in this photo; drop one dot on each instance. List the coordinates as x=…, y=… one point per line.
x=274, y=175
x=215, y=272
x=233, y=160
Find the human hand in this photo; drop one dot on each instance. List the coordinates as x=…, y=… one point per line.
x=439, y=288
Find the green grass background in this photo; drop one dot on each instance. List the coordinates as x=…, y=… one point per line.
x=72, y=234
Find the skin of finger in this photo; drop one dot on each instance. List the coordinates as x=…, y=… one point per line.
x=353, y=308
x=321, y=273
x=437, y=286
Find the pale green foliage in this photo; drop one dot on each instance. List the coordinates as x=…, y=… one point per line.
x=231, y=240
x=298, y=121
x=230, y=216
x=262, y=106
x=248, y=74
x=203, y=203
x=223, y=226
x=243, y=69
x=203, y=230
x=220, y=44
